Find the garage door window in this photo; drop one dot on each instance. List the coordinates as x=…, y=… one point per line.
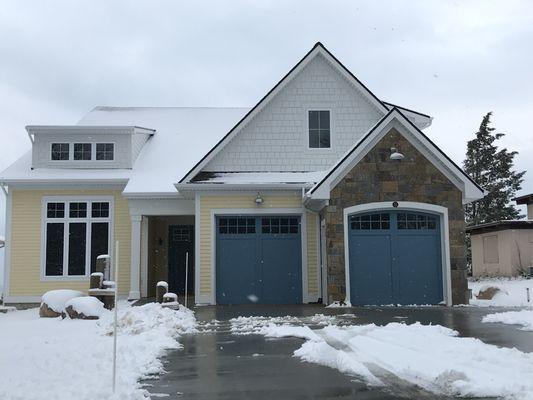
x=370, y=221
x=279, y=225
x=416, y=221
x=235, y=226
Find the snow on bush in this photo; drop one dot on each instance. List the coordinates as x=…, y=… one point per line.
x=430, y=356
x=56, y=299
x=87, y=305
x=523, y=318
x=512, y=293
x=72, y=359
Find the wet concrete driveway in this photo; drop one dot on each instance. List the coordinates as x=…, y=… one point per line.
x=216, y=364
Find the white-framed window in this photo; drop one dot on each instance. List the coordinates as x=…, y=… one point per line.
x=83, y=151
x=319, y=126
x=60, y=152
x=75, y=232
x=105, y=151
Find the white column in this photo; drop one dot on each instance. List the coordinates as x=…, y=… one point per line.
x=144, y=257
x=135, y=271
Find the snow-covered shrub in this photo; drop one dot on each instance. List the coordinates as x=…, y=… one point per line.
x=53, y=302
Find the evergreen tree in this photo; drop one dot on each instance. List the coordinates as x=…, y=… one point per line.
x=492, y=169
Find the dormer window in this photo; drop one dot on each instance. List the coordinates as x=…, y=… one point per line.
x=60, y=151
x=82, y=151
x=105, y=151
x=319, y=129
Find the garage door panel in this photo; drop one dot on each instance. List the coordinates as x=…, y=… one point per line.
x=370, y=273
x=281, y=270
x=419, y=272
x=237, y=273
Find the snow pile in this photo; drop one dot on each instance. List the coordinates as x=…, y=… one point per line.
x=429, y=356
x=523, y=318
x=512, y=292
x=87, y=305
x=56, y=299
x=339, y=304
x=66, y=359
x=253, y=325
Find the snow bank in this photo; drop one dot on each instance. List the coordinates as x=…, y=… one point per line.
x=523, y=318
x=72, y=359
x=87, y=305
x=512, y=292
x=429, y=356
x=56, y=299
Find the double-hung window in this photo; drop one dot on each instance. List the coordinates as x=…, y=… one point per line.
x=319, y=129
x=76, y=231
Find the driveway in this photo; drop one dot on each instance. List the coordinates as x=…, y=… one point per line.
x=217, y=364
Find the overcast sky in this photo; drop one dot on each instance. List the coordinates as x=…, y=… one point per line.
x=454, y=60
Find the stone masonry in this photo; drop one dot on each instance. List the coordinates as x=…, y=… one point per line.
x=377, y=178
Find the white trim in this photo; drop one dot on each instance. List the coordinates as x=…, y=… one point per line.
x=323, y=262
x=259, y=212
x=135, y=268
x=7, y=245
x=405, y=205
x=66, y=220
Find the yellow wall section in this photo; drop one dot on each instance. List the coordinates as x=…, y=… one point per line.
x=208, y=203
x=25, y=272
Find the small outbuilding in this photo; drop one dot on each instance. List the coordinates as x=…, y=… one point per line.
x=504, y=248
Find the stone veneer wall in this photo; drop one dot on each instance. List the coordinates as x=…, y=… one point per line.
x=375, y=179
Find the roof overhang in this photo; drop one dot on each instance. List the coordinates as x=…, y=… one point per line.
x=86, y=129
x=499, y=226
x=396, y=119
x=525, y=199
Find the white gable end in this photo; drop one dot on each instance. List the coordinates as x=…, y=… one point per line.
x=276, y=139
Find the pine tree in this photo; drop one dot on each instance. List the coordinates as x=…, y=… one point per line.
x=492, y=169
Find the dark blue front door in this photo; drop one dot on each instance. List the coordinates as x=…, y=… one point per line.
x=258, y=260
x=395, y=258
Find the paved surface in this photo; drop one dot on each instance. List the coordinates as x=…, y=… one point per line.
x=219, y=365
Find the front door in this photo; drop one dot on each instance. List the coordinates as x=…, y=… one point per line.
x=180, y=243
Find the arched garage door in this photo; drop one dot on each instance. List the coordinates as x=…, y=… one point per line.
x=258, y=260
x=395, y=258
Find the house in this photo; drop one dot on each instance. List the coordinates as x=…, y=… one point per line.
x=320, y=192
x=504, y=248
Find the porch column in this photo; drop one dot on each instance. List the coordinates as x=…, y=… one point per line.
x=135, y=270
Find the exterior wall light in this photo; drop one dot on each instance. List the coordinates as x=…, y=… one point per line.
x=259, y=200
x=395, y=155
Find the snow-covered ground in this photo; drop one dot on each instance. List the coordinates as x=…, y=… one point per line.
x=429, y=356
x=523, y=318
x=512, y=293
x=54, y=358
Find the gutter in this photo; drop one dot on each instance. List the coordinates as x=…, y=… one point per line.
x=241, y=186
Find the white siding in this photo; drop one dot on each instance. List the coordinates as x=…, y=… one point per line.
x=137, y=142
x=42, y=148
x=277, y=138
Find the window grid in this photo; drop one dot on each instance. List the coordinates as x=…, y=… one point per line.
x=319, y=129
x=412, y=221
x=82, y=151
x=181, y=234
x=277, y=225
x=100, y=209
x=236, y=225
x=105, y=151
x=60, y=151
x=370, y=221
x=58, y=215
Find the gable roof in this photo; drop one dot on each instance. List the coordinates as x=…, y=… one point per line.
x=318, y=49
x=470, y=189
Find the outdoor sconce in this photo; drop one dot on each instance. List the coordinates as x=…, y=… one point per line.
x=259, y=200
x=395, y=155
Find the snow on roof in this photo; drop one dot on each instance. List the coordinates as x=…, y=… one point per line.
x=263, y=177
x=183, y=136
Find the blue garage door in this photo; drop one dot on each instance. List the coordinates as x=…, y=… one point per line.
x=258, y=260
x=395, y=258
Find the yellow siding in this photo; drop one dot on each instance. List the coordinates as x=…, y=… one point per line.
x=25, y=272
x=312, y=254
x=208, y=203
